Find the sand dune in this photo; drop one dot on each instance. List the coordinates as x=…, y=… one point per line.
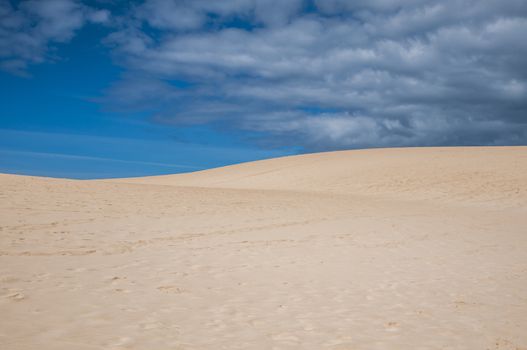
x=453, y=174
x=375, y=249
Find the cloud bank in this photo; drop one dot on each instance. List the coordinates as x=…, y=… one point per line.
x=322, y=75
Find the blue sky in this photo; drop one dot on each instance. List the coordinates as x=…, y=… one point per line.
x=51, y=123
x=109, y=88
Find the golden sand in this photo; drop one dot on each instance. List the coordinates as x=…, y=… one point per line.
x=421, y=248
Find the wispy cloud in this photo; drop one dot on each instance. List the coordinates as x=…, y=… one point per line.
x=89, y=156
x=99, y=159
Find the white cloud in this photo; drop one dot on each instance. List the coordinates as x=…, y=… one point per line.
x=27, y=30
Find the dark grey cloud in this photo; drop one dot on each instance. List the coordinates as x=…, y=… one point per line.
x=29, y=28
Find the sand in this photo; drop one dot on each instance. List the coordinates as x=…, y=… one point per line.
x=422, y=248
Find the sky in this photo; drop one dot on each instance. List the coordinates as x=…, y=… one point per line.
x=114, y=88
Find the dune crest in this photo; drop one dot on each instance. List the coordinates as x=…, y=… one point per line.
x=492, y=174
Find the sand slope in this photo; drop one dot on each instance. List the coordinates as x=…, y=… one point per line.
x=377, y=249
x=453, y=174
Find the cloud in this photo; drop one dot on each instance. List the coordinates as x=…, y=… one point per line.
x=321, y=74
x=27, y=30
x=342, y=74
x=194, y=14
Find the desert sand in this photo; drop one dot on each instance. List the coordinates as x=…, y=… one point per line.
x=419, y=248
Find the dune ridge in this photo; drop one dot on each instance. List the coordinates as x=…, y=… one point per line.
x=420, y=248
x=496, y=174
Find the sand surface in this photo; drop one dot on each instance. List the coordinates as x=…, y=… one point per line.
x=376, y=249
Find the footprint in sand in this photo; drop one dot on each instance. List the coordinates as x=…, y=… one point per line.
x=343, y=346
x=170, y=289
x=285, y=337
x=151, y=325
x=392, y=326
x=16, y=296
x=9, y=279
x=115, y=279
x=122, y=343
